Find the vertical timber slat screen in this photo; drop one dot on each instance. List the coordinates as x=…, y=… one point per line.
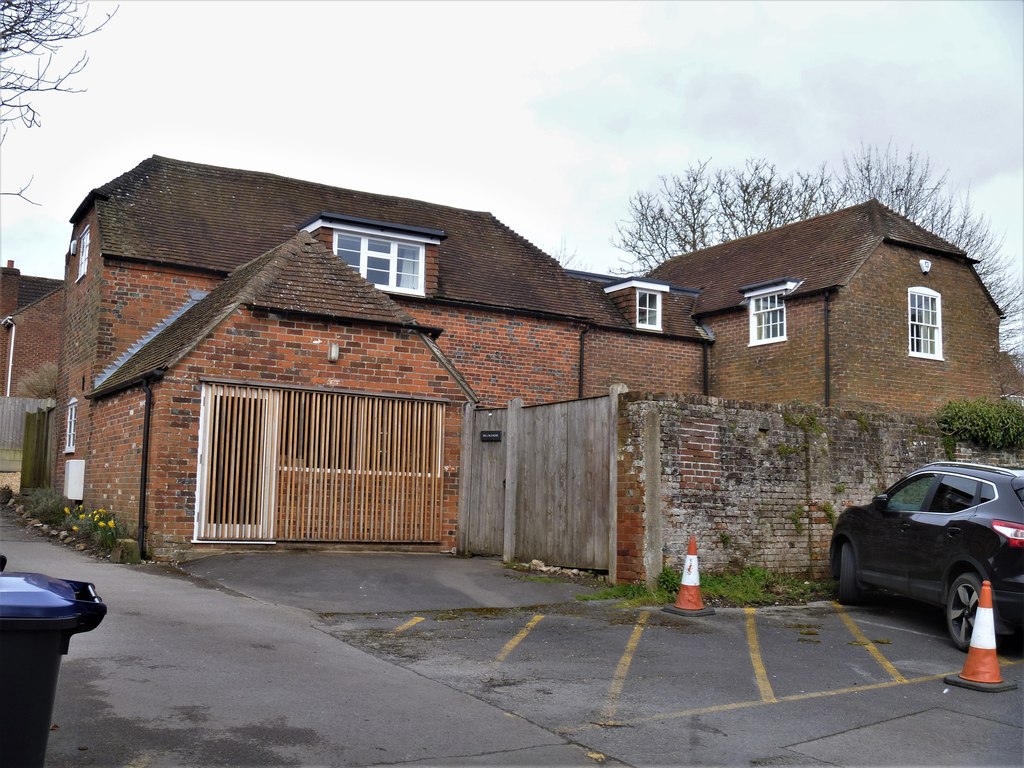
x=295, y=465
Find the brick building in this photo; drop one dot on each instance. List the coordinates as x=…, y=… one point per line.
x=859, y=309
x=249, y=359
x=500, y=319
x=30, y=312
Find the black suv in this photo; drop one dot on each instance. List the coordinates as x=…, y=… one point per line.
x=935, y=536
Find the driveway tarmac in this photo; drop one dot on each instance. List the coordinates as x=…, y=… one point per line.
x=364, y=659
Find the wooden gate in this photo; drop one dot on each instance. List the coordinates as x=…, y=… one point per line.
x=295, y=465
x=537, y=482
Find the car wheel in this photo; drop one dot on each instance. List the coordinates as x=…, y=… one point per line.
x=850, y=591
x=961, y=605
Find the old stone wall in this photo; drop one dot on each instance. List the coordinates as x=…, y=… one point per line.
x=758, y=485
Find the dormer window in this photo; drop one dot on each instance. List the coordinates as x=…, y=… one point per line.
x=767, y=310
x=391, y=256
x=641, y=299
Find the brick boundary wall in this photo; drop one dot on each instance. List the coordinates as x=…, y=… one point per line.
x=758, y=485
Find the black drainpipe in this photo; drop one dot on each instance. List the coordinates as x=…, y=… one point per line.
x=144, y=473
x=828, y=353
x=706, y=354
x=583, y=335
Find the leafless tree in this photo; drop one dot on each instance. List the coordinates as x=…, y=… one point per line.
x=700, y=208
x=33, y=32
x=40, y=383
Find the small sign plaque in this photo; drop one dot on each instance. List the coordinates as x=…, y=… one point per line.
x=490, y=436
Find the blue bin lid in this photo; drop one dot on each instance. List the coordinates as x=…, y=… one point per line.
x=37, y=601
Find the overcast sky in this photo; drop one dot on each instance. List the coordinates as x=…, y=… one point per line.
x=549, y=115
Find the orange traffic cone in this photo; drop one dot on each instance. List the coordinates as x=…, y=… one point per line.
x=981, y=670
x=688, y=602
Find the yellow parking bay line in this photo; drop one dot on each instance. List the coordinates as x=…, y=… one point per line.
x=409, y=624
x=760, y=674
x=870, y=646
x=511, y=644
x=611, y=703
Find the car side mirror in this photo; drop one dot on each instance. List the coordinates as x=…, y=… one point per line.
x=881, y=502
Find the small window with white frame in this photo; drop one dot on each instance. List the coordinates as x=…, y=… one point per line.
x=389, y=264
x=767, y=311
x=924, y=320
x=83, y=253
x=72, y=426
x=648, y=310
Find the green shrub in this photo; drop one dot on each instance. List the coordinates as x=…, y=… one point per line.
x=46, y=505
x=994, y=424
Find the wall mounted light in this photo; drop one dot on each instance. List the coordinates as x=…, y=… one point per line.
x=333, y=351
x=925, y=266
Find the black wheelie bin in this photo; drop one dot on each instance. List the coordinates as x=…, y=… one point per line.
x=38, y=616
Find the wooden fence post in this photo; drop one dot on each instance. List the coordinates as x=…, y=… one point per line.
x=465, y=477
x=613, y=477
x=513, y=426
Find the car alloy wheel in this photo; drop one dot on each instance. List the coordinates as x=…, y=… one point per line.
x=961, y=605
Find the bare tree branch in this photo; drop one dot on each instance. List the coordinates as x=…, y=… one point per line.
x=700, y=208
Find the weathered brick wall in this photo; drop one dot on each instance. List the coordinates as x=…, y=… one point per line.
x=264, y=350
x=759, y=485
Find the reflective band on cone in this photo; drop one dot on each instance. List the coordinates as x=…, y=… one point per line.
x=688, y=602
x=981, y=670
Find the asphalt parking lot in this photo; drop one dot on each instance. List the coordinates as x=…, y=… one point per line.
x=340, y=659
x=781, y=685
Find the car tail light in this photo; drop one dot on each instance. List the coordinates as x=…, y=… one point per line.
x=1014, y=532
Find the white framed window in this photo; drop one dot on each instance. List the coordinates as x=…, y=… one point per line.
x=767, y=318
x=766, y=305
x=924, y=320
x=648, y=310
x=390, y=264
x=72, y=426
x=83, y=253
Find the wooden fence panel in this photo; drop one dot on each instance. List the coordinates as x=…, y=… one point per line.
x=482, y=490
x=546, y=495
x=38, y=444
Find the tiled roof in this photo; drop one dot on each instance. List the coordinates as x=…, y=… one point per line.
x=205, y=217
x=823, y=252
x=300, y=276
x=32, y=289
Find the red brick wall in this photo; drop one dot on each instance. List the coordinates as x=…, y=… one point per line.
x=504, y=355
x=106, y=311
x=770, y=373
x=871, y=364
x=80, y=324
x=37, y=341
x=646, y=362
x=264, y=350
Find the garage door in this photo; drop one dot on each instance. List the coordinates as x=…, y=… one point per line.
x=296, y=465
